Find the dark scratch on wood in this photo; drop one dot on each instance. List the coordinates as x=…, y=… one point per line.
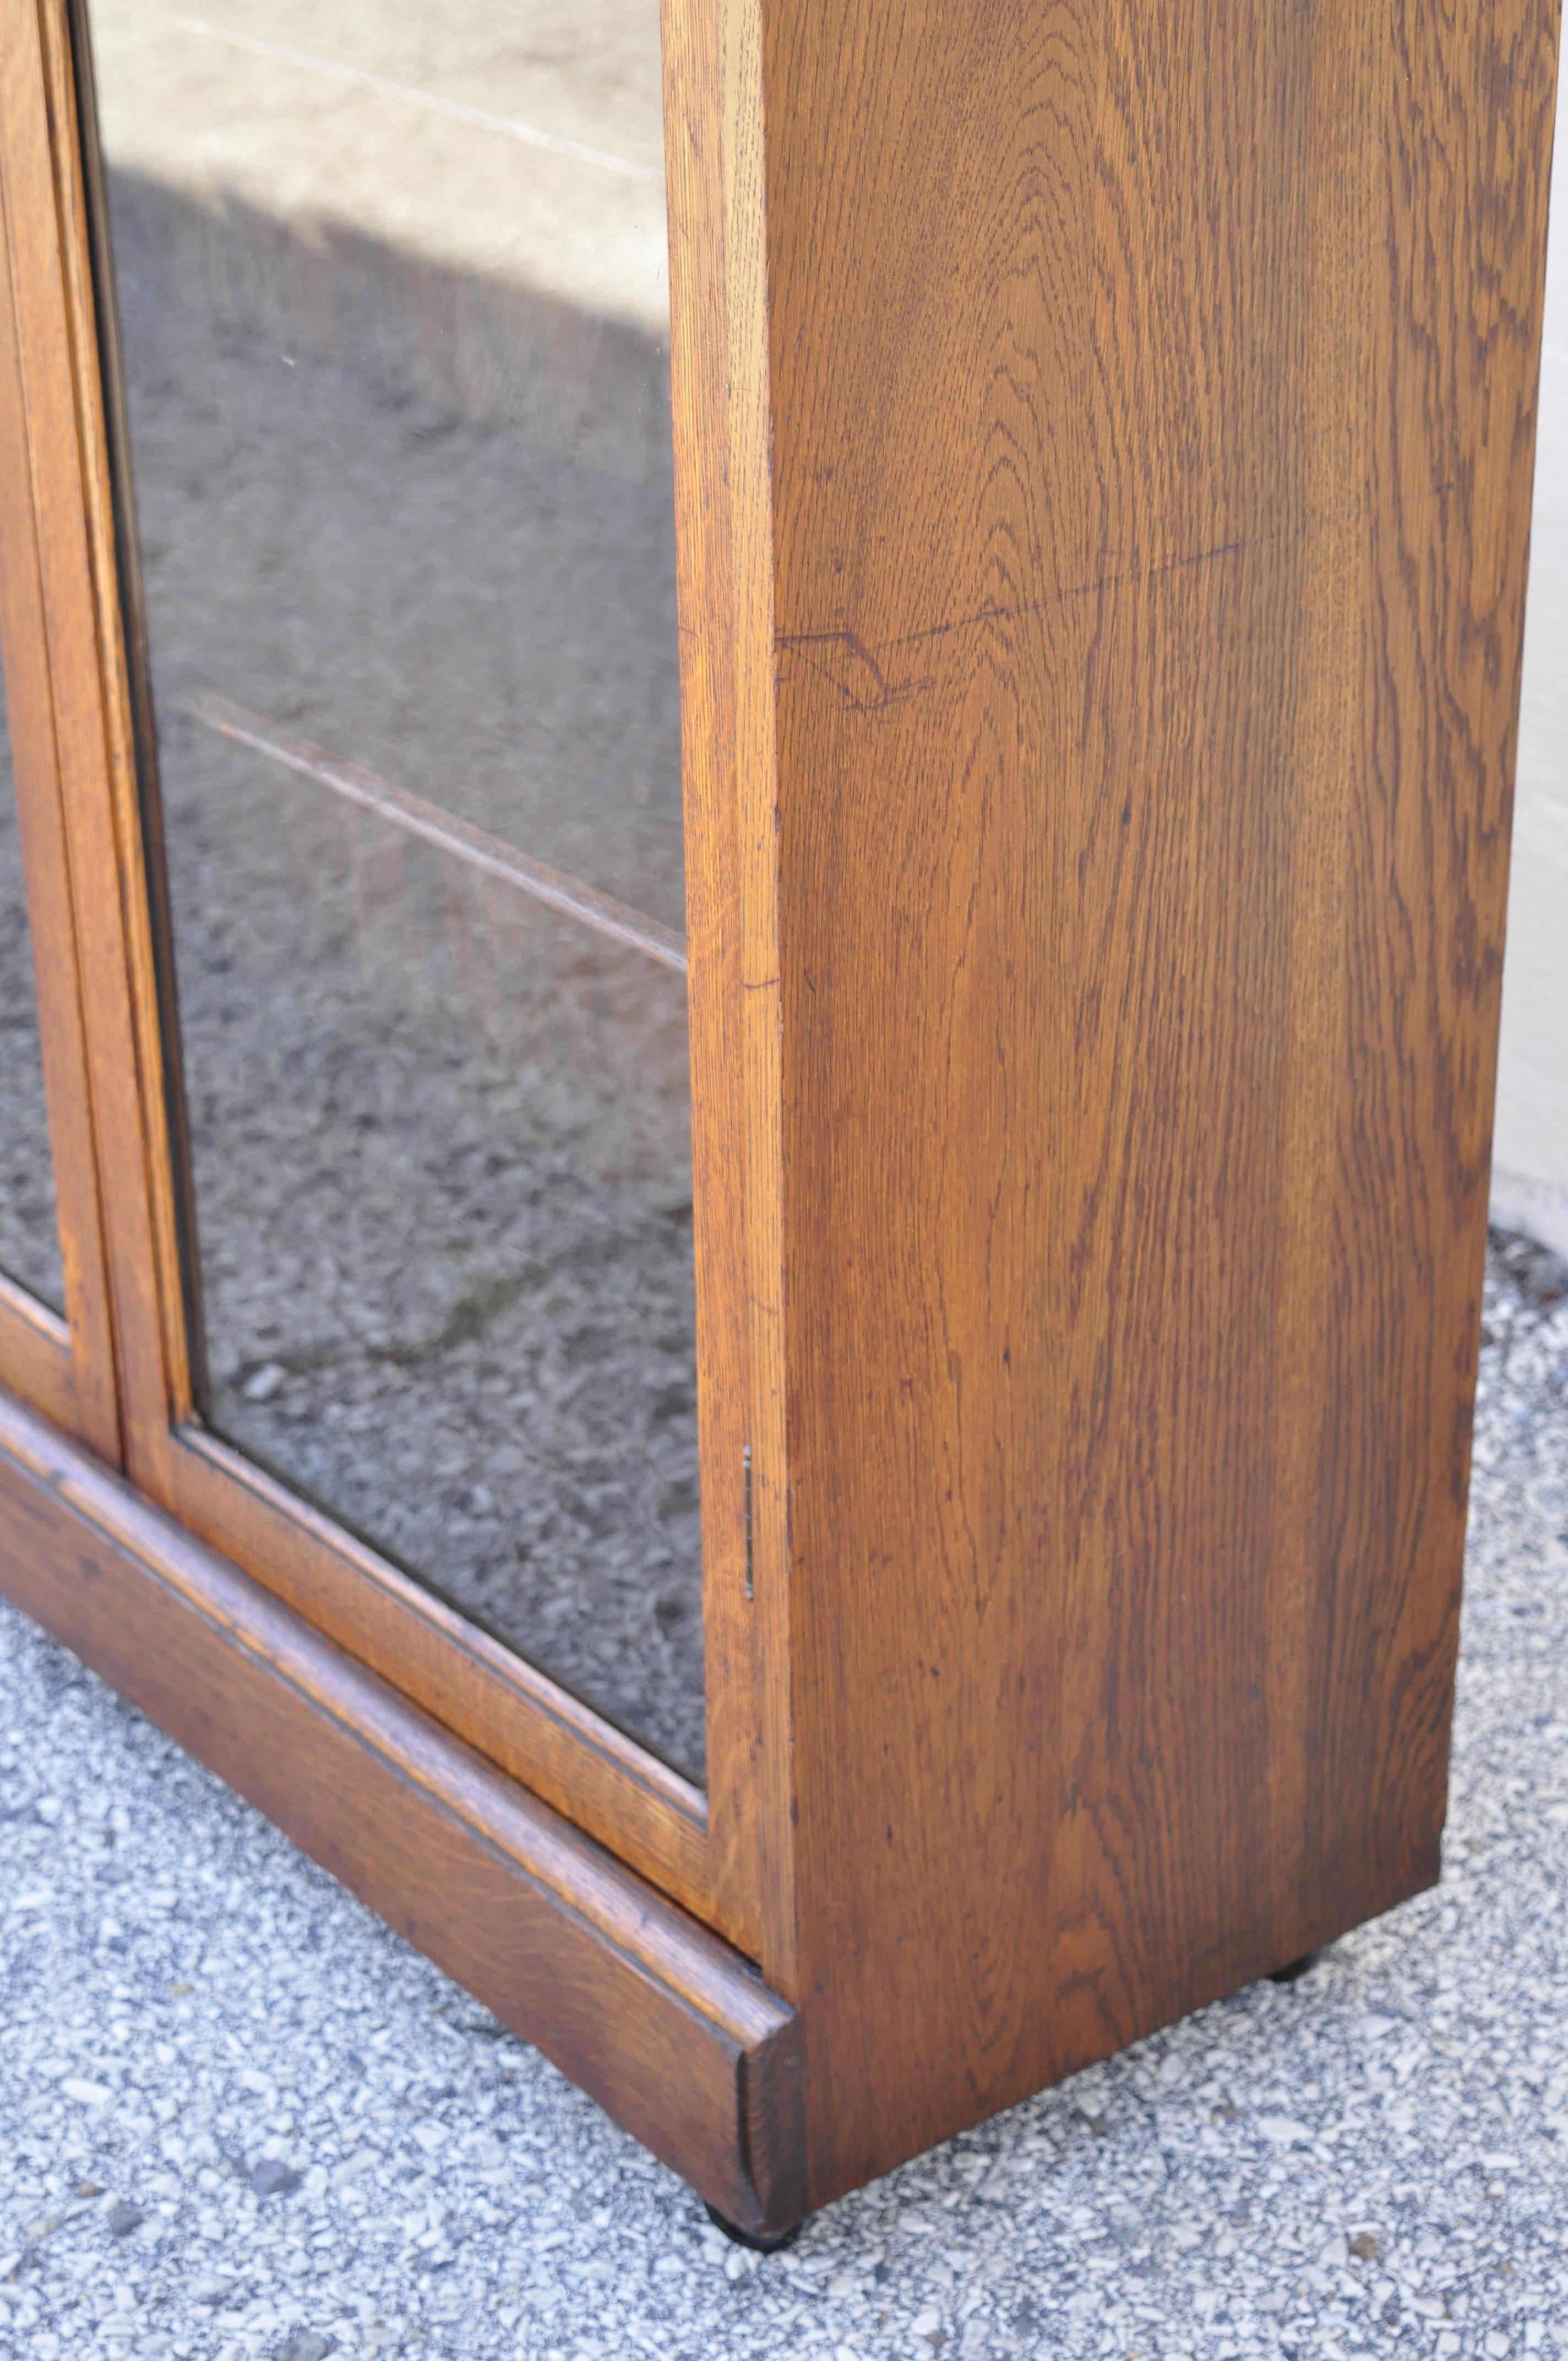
x=861, y=674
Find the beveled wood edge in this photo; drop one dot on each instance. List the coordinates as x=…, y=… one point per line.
x=97, y=601
x=64, y=1366
x=510, y=1712
x=501, y=1705
x=519, y=1675
x=750, y=468
x=721, y=406
x=652, y=2014
x=35, y=1353
x=58, y=331
x=705, y=633
x=30, y=1311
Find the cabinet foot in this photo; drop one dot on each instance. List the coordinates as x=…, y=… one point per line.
x=1295, y=1970
x=768, y=2243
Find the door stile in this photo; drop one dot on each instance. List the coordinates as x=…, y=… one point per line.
x=66, y=1368
x=721, y=387
x=533, y=1731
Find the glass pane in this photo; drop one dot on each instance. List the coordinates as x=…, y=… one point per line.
x=395, y=325
x=29, y=1234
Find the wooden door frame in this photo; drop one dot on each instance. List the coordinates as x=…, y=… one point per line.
x=65, y=1367
x=700, y=1848
x=599, y=1902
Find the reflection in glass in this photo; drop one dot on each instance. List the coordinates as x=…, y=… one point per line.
x=392, y=292
x=29, y=1234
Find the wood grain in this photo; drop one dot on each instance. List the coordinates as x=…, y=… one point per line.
x=36, y=1353
x=654, y=2016
x=1152, y=397
x=719, y=380
x=1104, y=439
x=66, y=1369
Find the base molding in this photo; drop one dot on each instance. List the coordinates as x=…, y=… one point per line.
x=654, y=2016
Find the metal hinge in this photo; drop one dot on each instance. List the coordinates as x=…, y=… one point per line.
x=746, y=1463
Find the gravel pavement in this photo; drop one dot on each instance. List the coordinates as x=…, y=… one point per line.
x=238, y=2118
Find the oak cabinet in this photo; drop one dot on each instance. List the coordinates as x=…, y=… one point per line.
x=763, y=773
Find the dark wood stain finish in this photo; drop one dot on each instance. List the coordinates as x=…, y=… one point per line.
x=1103, y=442
x=720, y=377
x=1153, y=400
x=66, y=1368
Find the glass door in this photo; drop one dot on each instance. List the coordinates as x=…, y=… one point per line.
x=397, y=536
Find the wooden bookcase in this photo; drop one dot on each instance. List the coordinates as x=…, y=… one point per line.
x=1102, y=444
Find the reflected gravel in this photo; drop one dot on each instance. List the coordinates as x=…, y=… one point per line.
x=440, y=1136
x=29, y=1234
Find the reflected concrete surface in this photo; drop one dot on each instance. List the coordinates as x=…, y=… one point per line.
x=392, y=299
x=29, y=1237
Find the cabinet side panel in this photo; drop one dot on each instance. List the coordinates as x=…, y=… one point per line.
x=1153, y=396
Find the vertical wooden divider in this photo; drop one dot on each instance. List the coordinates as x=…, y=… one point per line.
x=69, y=1371
x=722, y=391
